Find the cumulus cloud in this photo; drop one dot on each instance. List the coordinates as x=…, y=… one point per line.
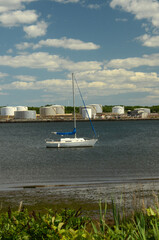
x=129, y=63
x=142, y=9
x=2, y=75
x=149, y=41
x=50, y=62
x=94, y=6
x=10, y=5
x=24, y=46
x=100, y=82
x=13, y=14
x=15, y=18
x=37, y=30
x=25, y=78
x=99, y=78
x=67, y=43
x=66, y=1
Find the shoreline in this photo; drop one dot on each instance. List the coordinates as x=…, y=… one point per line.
x=87, y=197
x=71, y=120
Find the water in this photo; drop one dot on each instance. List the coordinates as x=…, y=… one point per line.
x=126, y=151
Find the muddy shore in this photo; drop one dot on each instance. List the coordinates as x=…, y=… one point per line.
x=130, y=195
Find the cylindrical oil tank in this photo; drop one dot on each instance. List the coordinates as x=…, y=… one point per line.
x=47, y=111
x=146, y=110
x=59, y=109
x=118, y=109
x=86, y=112
x=99, y=107
x=94, y=111
x=30, y=114
x=8, y=111
x=22, y=108
x=93, y=108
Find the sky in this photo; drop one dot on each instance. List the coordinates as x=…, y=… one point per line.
x=111, y=46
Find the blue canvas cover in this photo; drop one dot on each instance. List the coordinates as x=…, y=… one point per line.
x=66, y=133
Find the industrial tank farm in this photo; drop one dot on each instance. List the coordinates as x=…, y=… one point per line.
x=57, y=113
x=25, y=114
x=52, y=110
x=59, y=109
x=98, y=107
x=118, y=110
x=87, y=113
x=19, y=112
x=47, y=111
x=8, y=111
x=21, y=108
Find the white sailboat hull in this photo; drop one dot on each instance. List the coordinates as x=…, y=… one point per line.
x=70, y=143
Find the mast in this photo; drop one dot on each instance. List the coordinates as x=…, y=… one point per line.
x=73, y=89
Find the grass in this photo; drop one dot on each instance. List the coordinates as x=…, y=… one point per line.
x=71, y=224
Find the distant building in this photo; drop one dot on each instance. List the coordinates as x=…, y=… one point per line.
x=146, y=110
x=118, y=109
x=140, y=113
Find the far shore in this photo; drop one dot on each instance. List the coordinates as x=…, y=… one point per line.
x=66, y=119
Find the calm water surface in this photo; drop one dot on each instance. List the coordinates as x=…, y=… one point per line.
x=126, y=151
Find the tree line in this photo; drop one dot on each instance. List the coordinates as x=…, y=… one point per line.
x=106, y=108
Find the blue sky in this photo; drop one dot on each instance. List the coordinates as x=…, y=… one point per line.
x=112, y=46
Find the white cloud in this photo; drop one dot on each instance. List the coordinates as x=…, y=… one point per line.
x=50, y=62
x=15, y=18
x=25, y=78
x=19, y=85
x=149, y=41
x=102, y=83
x=66, y=1
x=128, y=63
x=67, y=43
x=37, y=30
x=10, y=50
x=2, y=75
x=94, y=6
x=24, y=45
x=142, y=9
x=10, y=5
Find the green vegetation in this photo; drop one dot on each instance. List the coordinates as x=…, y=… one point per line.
x=37, y=109
x=69, y=225
x=69, y=109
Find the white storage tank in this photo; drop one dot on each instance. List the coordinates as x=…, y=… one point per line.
x=30, y=114
x=86, y=112
x=22, y=108
x=118, y=109
x=8, y=111
x=47, y=111
x=94, y=111
x=146, y=110
x=99, y=107
x=59, y=109
x=93, y=108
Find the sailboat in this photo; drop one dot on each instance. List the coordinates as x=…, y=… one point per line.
x=74, y=141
